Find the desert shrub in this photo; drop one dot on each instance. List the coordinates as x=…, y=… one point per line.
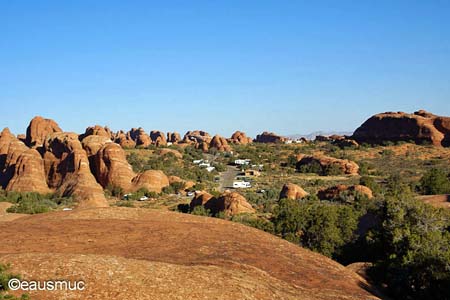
x=5, y=277
x=141, y=193
x=200, y=210
x=321, y=227
x=435, y=182
x=174, y=188
x=115, y=191
x=331, y=170
x=190, y=154
x=124, y=203
x=253, y=221
x=220, y=167
x=291, y=161
x=313, y=167
x=415, y=243
x=370, y=183
x=34, y=203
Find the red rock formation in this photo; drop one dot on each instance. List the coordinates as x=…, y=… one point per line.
x=173, y=137
x=152, y=180
x=97, y=130
x=29, y=174
x=93, y=143
x=39, y=129
x=67, y=170
x=334, y=192
x=292, y=191
x=10, y=150
x=124, y=140
x=419, y=127
x=199, y=139
x=240, y=138
x=269, y=137
x=200, y=198
x=158, y=138
x=346, y=166
x=112, y=168
x=220, y=143
x=231, y=203
x=140, y=137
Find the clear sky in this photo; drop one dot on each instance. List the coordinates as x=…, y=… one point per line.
x=284, y=66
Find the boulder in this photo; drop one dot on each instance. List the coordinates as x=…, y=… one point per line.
x=200, y=198
x=220, y=143
x=346, y=166
x=419, y=127
x=240, y=138
x=152, y=180
x=38, y=130
x=124, y=140
x=334, y=192
x=97, y=130
x=343, y=143
x=270, y=137
x=173, y=137
x=158, y=138
x=292, y=191
x=231, y=203
x=140, y=137
x=29, y=174
x=112, y=168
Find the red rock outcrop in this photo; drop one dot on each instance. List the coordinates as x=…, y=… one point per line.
x=231, y=203
x=199, y=139
x=39, y=129
x=112, y=168
x=240, y=138
x=152, y=180
x=5, y=139
x=200, y=198
x=334, y=192
x=29, y=174
x=292, y=191
x=346, y=166
x=140, y=137
x=158, y=138
x=419, y=127
x=68, y=171
x=270, y=137
x=173, y=137
x=97, y=130
x=10, y=150
x=220, y=143
x=93, y=143
x=124, y=140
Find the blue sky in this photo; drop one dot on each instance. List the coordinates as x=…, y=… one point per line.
x=284, y=66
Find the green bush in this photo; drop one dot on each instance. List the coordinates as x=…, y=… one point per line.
x=321, y=227
x=415, y=243
x=33, y=203
x=124, y=203
x=254, y=221
x=5, y=277
x=435, y=182
x=200, y=210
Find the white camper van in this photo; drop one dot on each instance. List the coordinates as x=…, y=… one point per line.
x=241, y=184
